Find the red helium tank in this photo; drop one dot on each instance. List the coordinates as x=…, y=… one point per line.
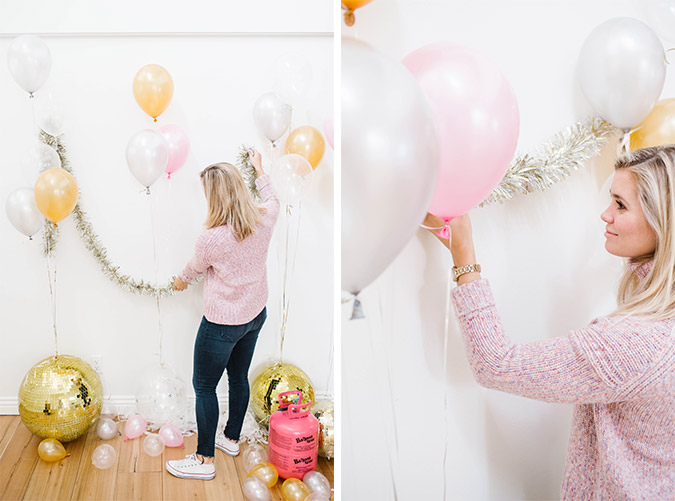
x=294, y=438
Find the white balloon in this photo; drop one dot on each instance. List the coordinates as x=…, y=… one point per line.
x=30, y=62
x=161, y=396
x=50, y=114
x=316, y=482
x=661, y=17
x=106, y=429
x=103, y=456
x=389, y=161
x=622, y=69
x=253, y=455
x=147, y=156
x=23, y=212
x=271, y=116
x=39, y=158
x=293, y=77
x=256, y=489
x=153, y=444
x=291, y=176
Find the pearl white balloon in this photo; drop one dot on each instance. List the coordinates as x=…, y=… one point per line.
x=153, y=444
x=317, y=496
x=317, y=482
x=147, y=156
x=256, y=489
x=272, y=116
x=622, y=68
x=39, y=158
x=389, y=161
x=103, y=456
x=106, y=429
x=291, y=176
x=30, y=62
x=23, y=212
x=253, y=455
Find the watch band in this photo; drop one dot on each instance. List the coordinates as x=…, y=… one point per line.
x=463, y=270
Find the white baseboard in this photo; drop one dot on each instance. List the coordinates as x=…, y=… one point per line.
x=114, y=404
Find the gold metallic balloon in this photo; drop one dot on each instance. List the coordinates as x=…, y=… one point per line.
x=658, y=128
x=273, y=380
x=51, y=449
x=60, y=398
x=153, y=89
x=308, y=142
x=55, y=193
x=265, y=472
x=324, y=412
x=294, y=490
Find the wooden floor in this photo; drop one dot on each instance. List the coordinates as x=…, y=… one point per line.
x=135, y=475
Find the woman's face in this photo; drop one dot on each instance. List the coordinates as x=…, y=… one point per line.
x=627, y=233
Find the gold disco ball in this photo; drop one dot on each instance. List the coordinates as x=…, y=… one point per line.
x=324, y=412
x=60, y=398
x=274, y=380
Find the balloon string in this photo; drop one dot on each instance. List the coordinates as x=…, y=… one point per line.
x=52, y=294
x=624, y=144
x=284, y=301
x=445, y=385
x=159, y=310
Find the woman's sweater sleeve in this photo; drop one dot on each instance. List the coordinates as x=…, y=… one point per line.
x=268, y=196
x=586, y=366
x=200, y=260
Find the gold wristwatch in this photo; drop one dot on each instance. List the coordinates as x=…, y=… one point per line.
x=463, y=270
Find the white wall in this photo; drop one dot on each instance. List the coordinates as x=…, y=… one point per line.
x=543, y=254
x=217, y=79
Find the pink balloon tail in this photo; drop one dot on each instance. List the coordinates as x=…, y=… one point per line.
x=445, y=232
x=182, y=445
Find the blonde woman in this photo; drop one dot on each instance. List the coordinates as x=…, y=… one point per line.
x=232, y=250
x=619, y=371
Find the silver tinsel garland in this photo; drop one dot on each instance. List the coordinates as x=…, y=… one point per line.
x=568, y=151
x=92, y=240
x=248, y=171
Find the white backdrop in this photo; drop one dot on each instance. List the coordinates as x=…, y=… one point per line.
x=217, y=78
x=543, y=254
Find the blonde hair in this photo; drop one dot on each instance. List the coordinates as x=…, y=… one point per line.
x=654, y=295
x=229, y=201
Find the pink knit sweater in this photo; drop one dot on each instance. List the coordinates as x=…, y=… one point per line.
x=235, y=290
x=619, y=373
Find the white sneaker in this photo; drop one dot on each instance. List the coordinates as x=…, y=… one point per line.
x=226, y=445
x=191, y=467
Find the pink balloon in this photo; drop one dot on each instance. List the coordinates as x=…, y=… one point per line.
x=328, y=128
x=179, y=146
x=134, y=427
x=172, y=435
x=476, y=115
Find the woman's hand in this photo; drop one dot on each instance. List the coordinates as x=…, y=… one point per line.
x=179, y=285
x=255, y=158
x=460, y=242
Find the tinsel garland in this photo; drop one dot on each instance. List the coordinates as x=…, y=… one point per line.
x=568, y=151
x=92, y=240
x=248, y=171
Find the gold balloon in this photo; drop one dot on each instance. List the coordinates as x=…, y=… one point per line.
x=60, y=398
x=55, y=193
x=658, y=128
x=349, y=6
x=294, y=490
x=274, y=380
x=51, y=449
x=308, y=142
x=324, y=412
x=265, y=472
x=153, y=89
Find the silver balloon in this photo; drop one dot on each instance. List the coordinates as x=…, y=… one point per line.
x=389, y=161
x=106, y=429
x=272, y=117
x=253, y=455
x=622, y=69
x=256, y=489
x=291, y=176
x=153, y=444
x=103, y=456
x=147, y=156
x=161, y=397
x=30, y=62
x=39, y=158
x=317, y=483
x=23, y=212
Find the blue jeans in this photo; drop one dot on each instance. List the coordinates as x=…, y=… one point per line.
x=219, y=347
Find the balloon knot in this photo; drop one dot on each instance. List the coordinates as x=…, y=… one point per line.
x=357, y=310
x=155, y=120
x=349, y=18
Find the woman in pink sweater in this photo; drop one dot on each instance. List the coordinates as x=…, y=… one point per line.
x=619, y=371
x=232, y=250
